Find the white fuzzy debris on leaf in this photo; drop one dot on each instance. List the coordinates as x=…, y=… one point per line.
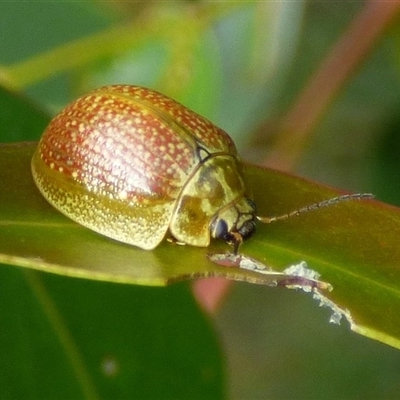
x=296, y=276
x=337, y=312
x=307, y=279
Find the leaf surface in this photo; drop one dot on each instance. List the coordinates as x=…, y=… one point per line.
x=352, y=245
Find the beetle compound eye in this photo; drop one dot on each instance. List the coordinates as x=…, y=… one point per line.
x=220, y=229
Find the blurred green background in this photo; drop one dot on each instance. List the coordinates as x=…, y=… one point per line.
x=242, y=65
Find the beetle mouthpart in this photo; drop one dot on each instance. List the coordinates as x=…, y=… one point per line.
x=236, y=239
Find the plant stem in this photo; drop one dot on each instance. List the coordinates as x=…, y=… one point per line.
x=342, y=62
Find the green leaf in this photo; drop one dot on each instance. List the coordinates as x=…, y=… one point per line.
x=81, y=339
x=352, y=245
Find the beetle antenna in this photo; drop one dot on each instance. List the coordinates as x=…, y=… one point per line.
x=317, y=206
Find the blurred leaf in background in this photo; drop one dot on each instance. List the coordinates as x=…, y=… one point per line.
x=241, y=64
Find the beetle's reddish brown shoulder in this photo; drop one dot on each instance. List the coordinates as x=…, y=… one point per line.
x=190, y=125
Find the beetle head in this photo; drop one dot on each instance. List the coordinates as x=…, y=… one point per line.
x=235, y=223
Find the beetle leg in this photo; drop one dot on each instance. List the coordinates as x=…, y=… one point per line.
x=172, y=240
